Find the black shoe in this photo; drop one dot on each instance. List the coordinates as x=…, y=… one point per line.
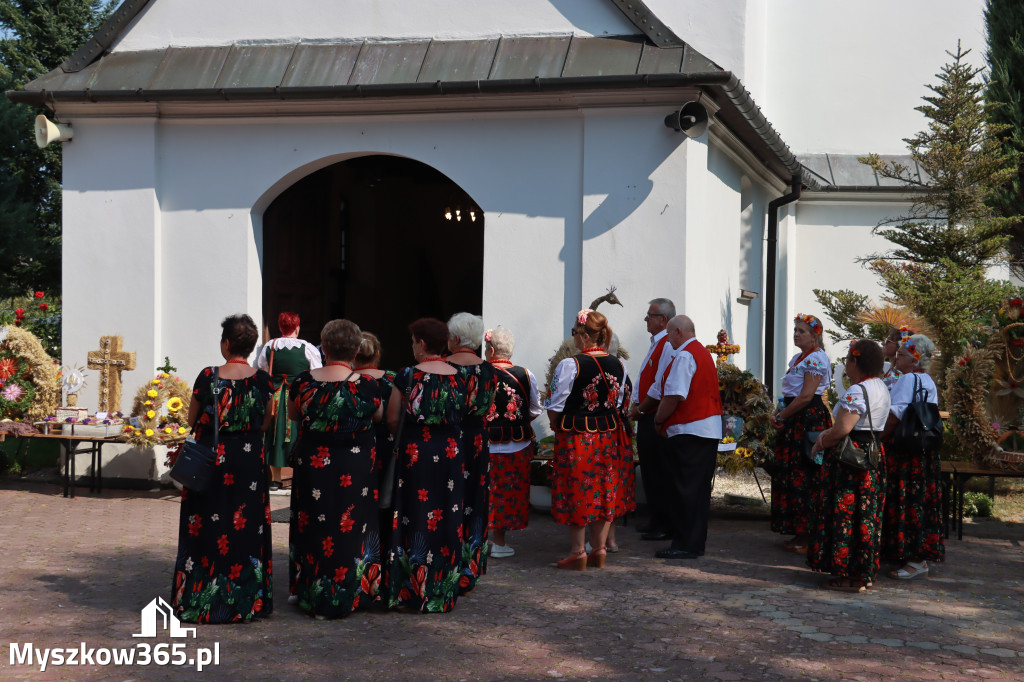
x=656, y=535
x=675, y=554
x=649, y=528
x=275, y=485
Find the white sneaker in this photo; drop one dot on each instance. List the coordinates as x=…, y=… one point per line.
x=501, y=551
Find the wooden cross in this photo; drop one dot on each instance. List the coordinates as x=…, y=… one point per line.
x=110, y=360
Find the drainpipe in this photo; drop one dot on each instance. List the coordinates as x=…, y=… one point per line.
x=770, y=293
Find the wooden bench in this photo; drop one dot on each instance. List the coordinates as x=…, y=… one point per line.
x=954, y=480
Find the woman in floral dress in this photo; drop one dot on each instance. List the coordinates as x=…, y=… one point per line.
x=583, y=408
x=797, y=478
x=223, y=571
x=465, y=334
x=368, y=364
x=334, y=537
x=516, y=404
x=426, y=409
x=846, y=522
x=912, y=521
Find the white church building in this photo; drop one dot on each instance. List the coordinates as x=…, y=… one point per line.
x=382, y=160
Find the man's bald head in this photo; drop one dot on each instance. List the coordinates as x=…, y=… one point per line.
x=680, y=330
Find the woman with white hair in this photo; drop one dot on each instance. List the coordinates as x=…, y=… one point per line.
x=516, y=404
x=912, y=519
x=465, y=334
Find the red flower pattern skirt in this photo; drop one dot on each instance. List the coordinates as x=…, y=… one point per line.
x=510, y=489
x=912, y=521
x=797, y=478
x=586, y=485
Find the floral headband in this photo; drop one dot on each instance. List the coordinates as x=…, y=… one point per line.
x=905, y=333
x=912, y=349
x=488, y=335
x=581, y=316
x=854, y=352
x=811, y=321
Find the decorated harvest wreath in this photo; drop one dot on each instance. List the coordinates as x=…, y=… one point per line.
x=746, y=397
x=164, y=391
x=976, y=378
x=29, y=383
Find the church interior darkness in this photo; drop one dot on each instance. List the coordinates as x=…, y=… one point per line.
x=379, y=240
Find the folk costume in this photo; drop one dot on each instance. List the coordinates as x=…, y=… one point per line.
x=588, y=392
x=846, y=526
x=284, y=359
x=516, y=404
x=797, y=477
x=223, y=571
x=693, y=431
x=649, y=445
x=333, y=535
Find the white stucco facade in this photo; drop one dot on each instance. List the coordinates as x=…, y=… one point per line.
x=163, y=214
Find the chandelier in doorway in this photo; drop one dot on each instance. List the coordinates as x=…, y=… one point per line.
x=457, y=213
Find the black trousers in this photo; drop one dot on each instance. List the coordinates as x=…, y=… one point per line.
x=650, y=449
x=690, y=469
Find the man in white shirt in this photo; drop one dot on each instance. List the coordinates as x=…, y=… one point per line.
x=648, y=443
x=690, y=417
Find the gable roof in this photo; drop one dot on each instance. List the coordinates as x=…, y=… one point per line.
x=445, y=69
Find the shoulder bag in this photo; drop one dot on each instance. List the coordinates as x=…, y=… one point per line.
x=856, y=457
x=387, y=480
x=920, y=427
x=194, y=468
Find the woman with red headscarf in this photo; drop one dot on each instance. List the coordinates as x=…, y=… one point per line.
x=284, y=358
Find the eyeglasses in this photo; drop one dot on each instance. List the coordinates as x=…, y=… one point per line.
x=650, y=315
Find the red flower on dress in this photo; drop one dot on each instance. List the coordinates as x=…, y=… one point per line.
x=194, y=524
x=340, y=573
x=321, y=458
x=414, y=453
x=370, y=582
x=843, y=552
x=419, y=578
x=346, y=520
x=452, y=449
x=236, y=571
x=426, y=434
x=229, y=479
x=222, y=544
x=423, y=494
x=239, y=518
x=328, y=545
x=303, y=520
x=445, y=551
x=345, y=480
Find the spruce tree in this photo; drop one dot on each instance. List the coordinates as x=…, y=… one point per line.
x=35, y=37
x=946, y=242
x=1004, y=22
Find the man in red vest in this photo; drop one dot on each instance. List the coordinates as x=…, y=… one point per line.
x=649, y=444
x=690, y=417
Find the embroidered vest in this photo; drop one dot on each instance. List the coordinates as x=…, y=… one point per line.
x=648, y=371
x=703, y=400
x=509, y=417
x=592, y=403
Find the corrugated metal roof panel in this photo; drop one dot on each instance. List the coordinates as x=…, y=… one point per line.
x=603, y=57
x=389, y=63
x=660, y=60
x=190, y=67
x=127, y=71
x=255, y=66
x=458, y=60
x=321, y=65
x=529, y=58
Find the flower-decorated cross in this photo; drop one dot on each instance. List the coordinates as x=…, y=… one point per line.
x=110, y=360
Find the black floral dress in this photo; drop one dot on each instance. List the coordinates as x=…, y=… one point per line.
x=223, y=571
x=333, y=535
x=426, y=534
x=481, y=384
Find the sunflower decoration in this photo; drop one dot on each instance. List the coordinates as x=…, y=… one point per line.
x=161, y=407
x=744, y=396
x=29, y=389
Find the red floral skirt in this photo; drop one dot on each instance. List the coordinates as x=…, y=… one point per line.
x=510, y=489
x=587, y=484
x=912, y=521
x=797, y=478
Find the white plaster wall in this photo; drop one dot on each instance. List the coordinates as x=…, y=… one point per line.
x=715, y=28
x=845, y=77
x=187, y=23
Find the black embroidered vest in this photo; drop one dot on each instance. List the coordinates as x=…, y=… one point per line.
x=509, y=417
x=592, y=403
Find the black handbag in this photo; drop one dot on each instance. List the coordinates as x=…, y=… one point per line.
x=194, y=467
x=855, y=456
x=386, y=486
x=920, y=427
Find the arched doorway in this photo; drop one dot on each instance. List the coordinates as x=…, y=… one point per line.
x=380, y=240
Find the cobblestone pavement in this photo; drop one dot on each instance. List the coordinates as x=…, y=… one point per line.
x=80, y=570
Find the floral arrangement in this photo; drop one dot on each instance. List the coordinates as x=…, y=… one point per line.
x=743, y=395
x=29, y=388
x=723, y=349
x=165, y=391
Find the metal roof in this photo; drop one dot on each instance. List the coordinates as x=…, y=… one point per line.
x=846, y=172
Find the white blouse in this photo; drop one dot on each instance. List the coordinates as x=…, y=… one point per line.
x=902, y=394
x=853, y=401
x=816, y=363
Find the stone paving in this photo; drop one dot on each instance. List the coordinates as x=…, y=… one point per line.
x=80, y=570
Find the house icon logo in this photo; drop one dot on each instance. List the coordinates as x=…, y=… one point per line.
x=157, y=613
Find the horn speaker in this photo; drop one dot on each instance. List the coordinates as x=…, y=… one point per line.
x=47, y=131
x=691, y=119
